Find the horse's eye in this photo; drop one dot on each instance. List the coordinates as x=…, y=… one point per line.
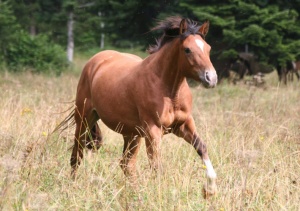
x=187, y=50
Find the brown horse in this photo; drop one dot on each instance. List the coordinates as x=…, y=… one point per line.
x=287, y=72
x=294, y=68
x=145, y=98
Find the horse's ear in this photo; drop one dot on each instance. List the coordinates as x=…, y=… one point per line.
x=204, y=28
x=183, y=26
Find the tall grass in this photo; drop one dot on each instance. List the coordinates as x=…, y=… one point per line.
x=253, y=137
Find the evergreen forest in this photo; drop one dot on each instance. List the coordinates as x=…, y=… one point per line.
x=44, y=34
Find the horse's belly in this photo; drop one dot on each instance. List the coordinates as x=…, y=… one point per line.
x=122, y=126
x=111, y=100
x=116, y=112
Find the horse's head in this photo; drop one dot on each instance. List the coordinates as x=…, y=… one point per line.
x=197, y=64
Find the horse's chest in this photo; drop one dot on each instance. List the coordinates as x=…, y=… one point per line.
x=174, y=114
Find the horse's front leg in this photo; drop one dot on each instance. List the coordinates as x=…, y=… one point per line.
x=153, y=143
x=188, y=132
x=130, y=151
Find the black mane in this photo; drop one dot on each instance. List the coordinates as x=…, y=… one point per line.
x=170, y=27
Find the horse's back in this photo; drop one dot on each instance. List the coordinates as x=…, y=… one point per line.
x=113, y=56
x=108, y=83
x=107, y=65
x=111, y=66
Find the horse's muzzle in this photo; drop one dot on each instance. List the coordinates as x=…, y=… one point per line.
x=209, y=78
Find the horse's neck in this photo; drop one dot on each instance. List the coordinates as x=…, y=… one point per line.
x=166, y=65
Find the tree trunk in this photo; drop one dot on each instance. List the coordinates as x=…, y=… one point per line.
x=246, y=48
x=32, y=30
x=70, y=47
x=32, y=27
x=102, y=36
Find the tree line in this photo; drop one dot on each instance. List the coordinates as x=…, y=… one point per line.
x=33, y=31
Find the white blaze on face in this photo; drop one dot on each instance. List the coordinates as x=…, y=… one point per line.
x=200, y=44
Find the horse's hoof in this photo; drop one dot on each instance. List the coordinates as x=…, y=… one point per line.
x=209, y=191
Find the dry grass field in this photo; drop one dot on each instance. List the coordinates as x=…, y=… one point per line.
x=253, y=138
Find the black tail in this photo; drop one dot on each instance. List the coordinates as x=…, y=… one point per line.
x=69, y=121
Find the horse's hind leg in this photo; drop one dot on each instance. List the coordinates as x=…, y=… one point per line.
x=94, y=140
x=77, y=151
x=130, y=151
x=85, y=118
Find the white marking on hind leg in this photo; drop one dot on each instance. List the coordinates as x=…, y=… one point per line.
x=210, y=169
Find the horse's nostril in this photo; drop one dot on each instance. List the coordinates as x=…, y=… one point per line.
x=207, y=78
x=210, y=77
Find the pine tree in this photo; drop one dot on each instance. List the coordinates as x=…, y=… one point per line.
x=8, y=28
x=129, y=22
x=269, y=30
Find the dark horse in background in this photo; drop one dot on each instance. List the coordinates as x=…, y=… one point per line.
x=243, y=64
x=289, y=69
x=247, y=63
x=145, y=98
